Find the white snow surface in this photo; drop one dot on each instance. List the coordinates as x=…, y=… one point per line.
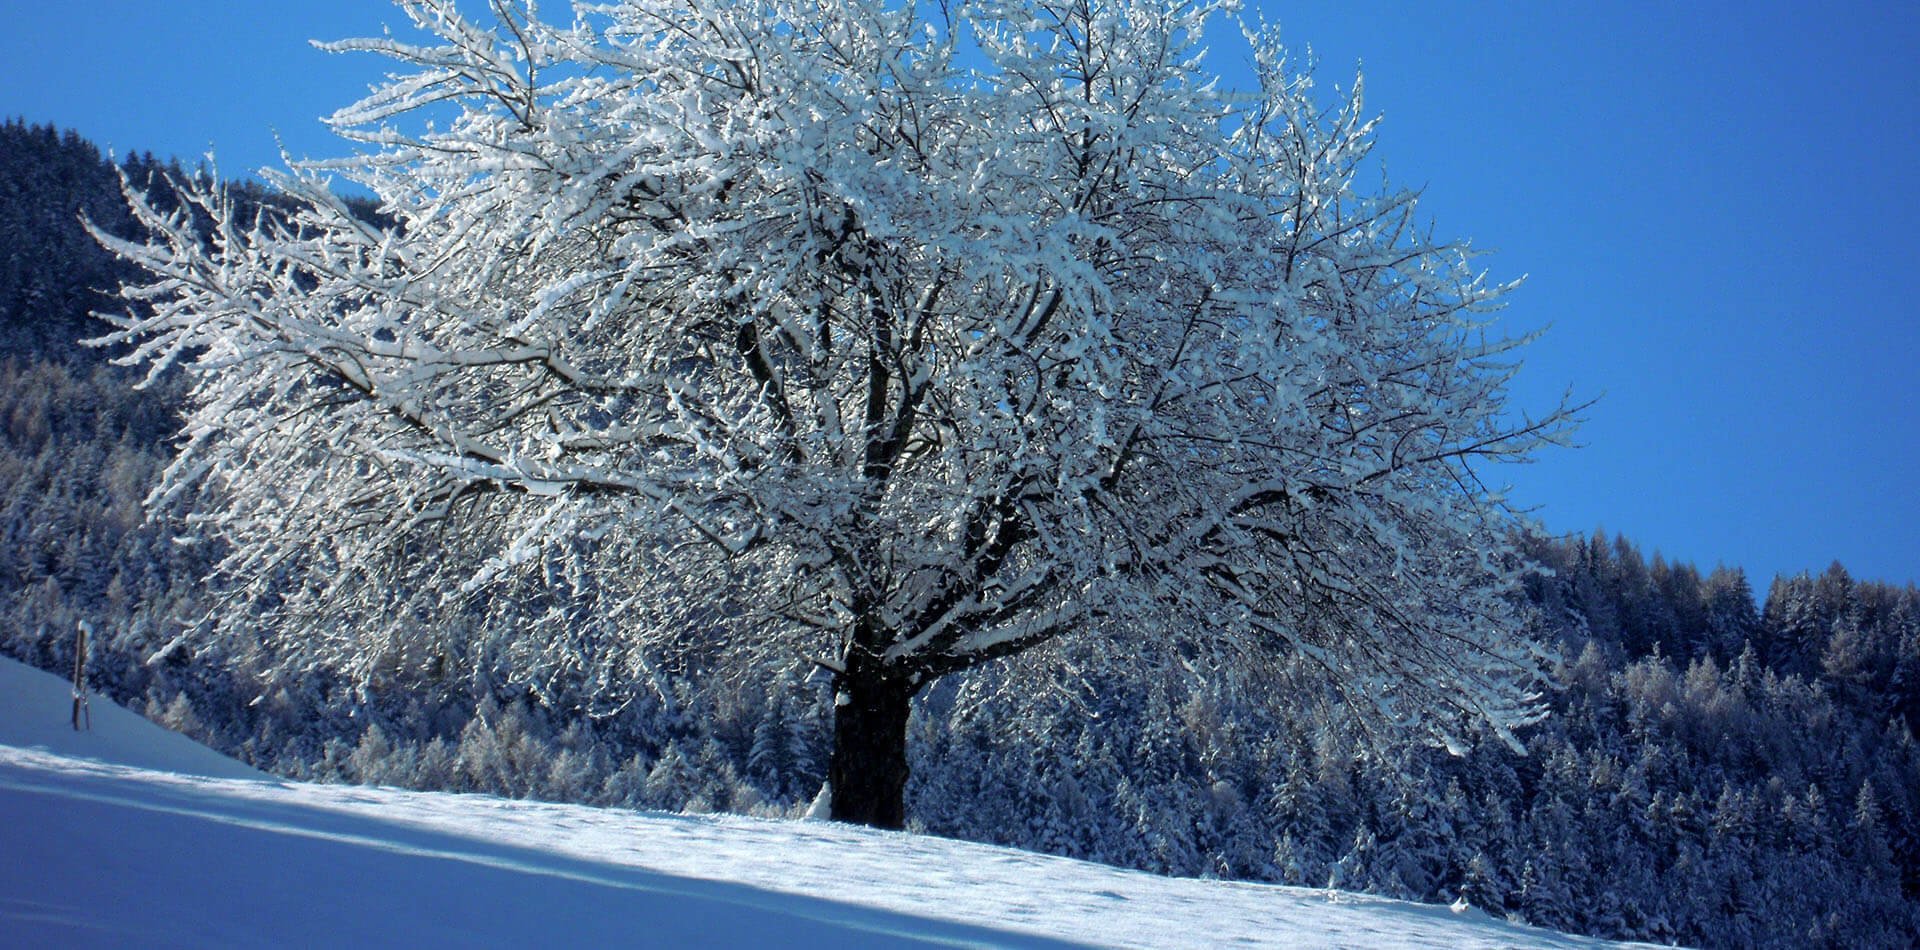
x=155, y=842
x=36, y=711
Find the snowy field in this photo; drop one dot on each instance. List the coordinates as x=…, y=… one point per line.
x=132, y=836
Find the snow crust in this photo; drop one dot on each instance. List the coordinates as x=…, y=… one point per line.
x=105, y=854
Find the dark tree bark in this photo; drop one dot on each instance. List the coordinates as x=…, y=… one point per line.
x=867, y=771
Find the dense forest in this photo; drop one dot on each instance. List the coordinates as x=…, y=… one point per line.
x=1719, y=768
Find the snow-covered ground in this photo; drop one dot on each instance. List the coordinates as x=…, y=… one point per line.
x=133, y=836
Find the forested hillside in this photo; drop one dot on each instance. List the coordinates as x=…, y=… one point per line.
x=1718, y=769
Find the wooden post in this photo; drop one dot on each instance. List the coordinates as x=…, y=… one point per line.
x=80, y=707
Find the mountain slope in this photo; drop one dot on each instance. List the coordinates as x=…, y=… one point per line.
x=105, y=854
x=36, y=712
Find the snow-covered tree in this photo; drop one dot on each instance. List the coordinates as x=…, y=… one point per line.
x=901, y=338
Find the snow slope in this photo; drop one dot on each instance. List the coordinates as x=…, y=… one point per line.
x=100, y=854
x=36, y=711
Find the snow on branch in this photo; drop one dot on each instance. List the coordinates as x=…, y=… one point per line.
x=786, y=317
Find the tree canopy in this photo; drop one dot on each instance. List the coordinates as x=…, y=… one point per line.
x=890, y=338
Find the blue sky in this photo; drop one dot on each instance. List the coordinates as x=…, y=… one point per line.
x=1714, y=205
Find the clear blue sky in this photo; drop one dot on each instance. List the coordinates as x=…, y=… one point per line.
x=1715, y=205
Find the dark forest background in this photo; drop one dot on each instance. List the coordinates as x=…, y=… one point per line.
x=1719, y=768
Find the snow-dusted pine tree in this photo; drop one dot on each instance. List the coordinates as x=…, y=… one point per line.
x=898, y=337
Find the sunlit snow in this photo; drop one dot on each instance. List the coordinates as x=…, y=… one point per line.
x=163, y=854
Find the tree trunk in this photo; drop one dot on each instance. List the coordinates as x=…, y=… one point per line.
x=867, y=771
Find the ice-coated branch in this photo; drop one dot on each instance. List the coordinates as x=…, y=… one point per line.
x=799, y=334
